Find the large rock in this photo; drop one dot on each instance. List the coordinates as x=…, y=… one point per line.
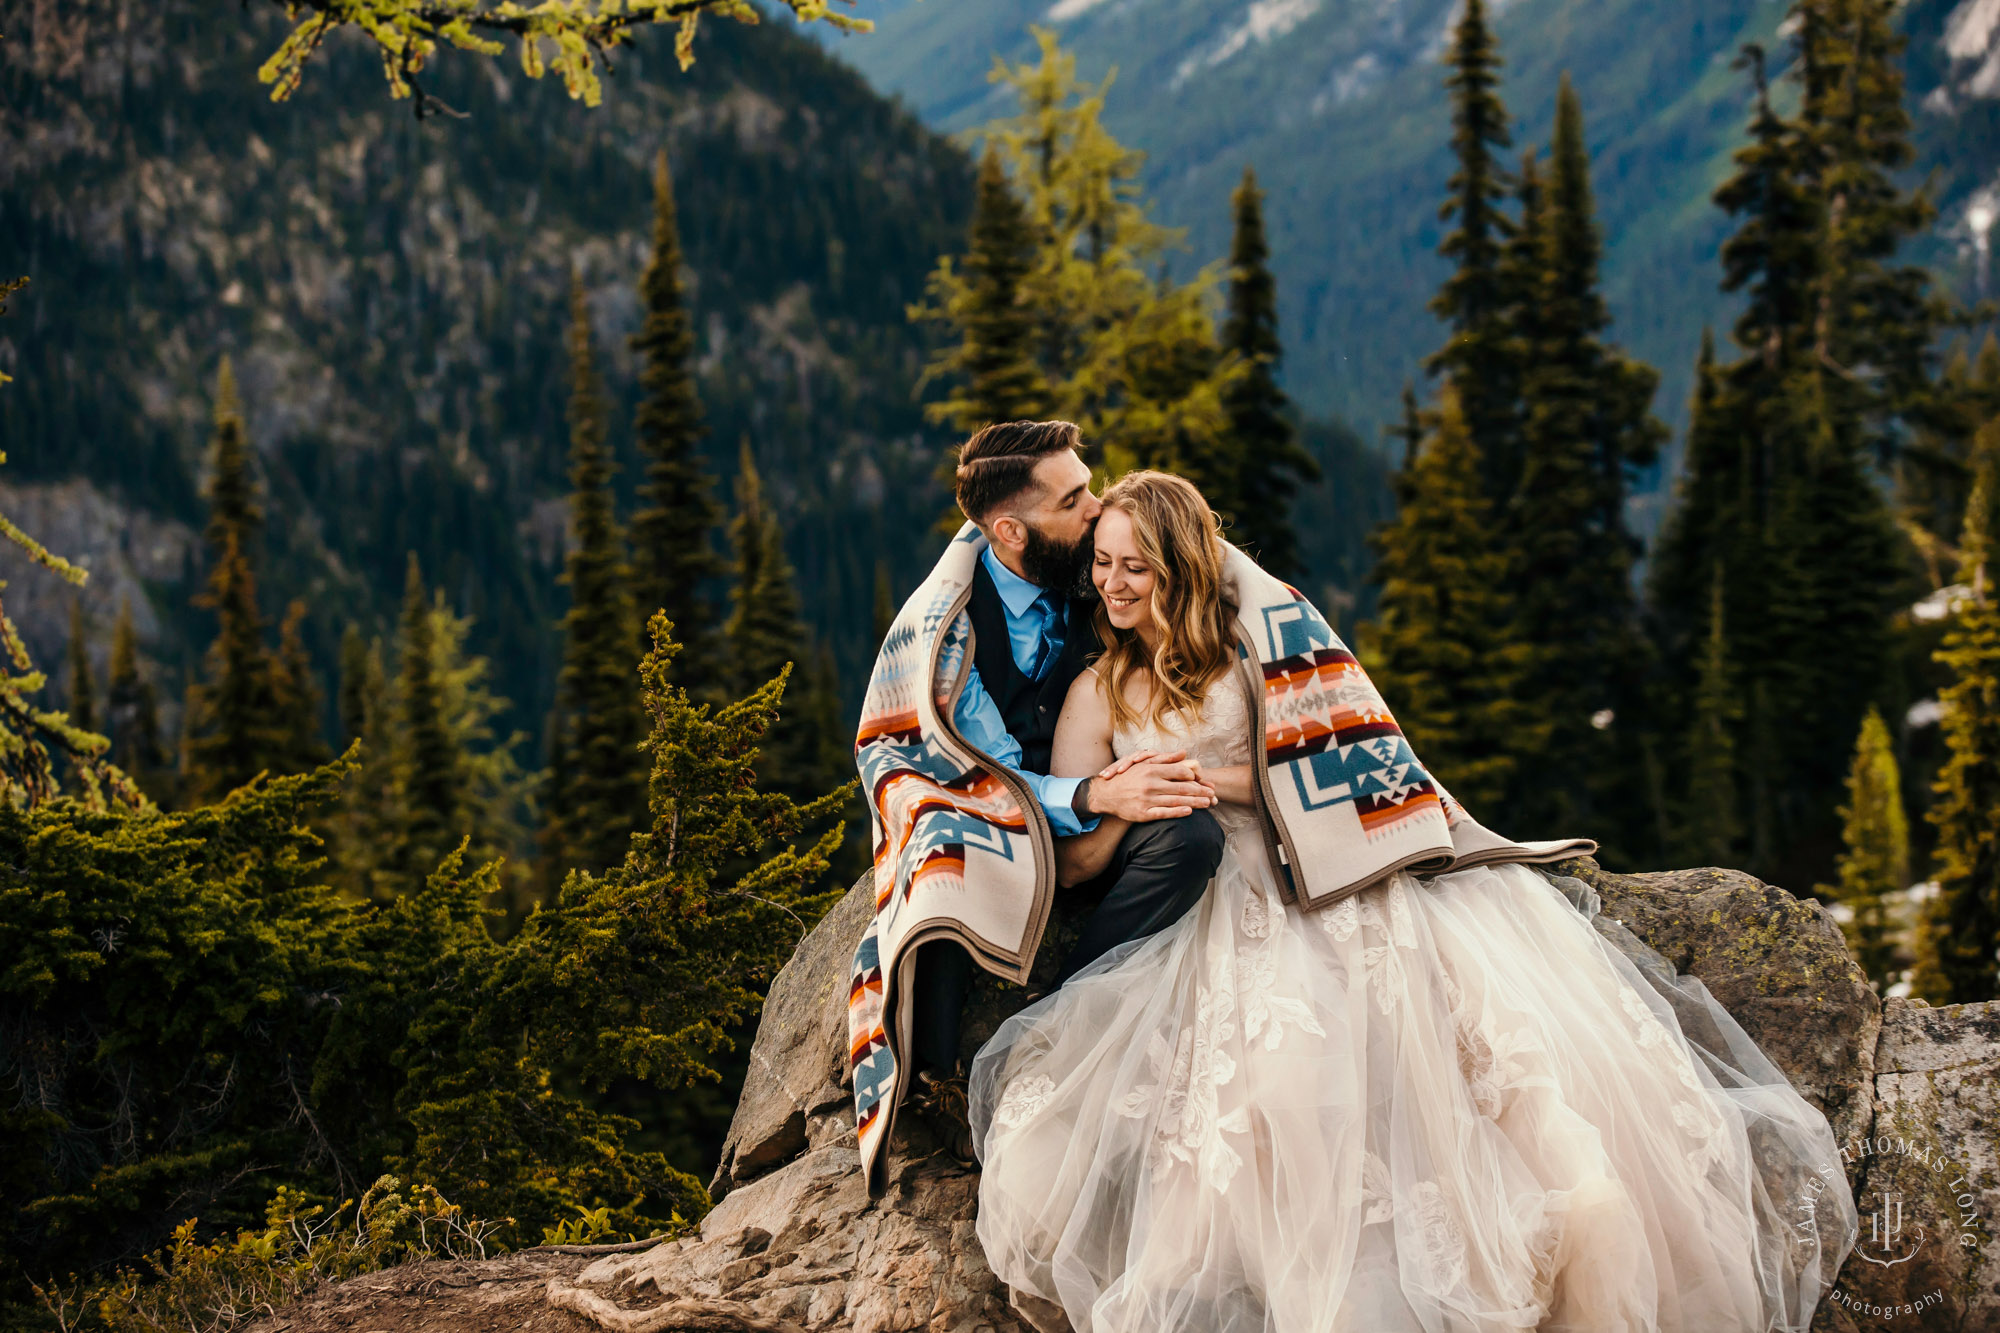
x=1913, y=1094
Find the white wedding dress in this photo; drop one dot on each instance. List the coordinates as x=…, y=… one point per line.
x=1445, y=1103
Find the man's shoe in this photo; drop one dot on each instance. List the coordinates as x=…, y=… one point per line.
x=941, y=1100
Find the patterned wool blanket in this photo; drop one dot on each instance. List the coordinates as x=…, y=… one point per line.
x=962, y=851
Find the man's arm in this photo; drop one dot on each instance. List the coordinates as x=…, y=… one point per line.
x=978, y=720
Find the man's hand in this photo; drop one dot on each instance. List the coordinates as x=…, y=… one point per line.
x=1150, y=786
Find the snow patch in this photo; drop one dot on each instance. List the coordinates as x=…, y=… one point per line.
x=1062, y=11
x=1972, y=41
x=1352, y=81
x=1923, y=713
x=1263, y=22
x=1945, y=601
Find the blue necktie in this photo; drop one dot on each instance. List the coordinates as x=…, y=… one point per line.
x=1051, y=634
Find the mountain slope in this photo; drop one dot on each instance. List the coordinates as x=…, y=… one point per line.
x=393, y=296
x=1340, y=106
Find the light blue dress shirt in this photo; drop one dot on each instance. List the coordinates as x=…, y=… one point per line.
x=978, y=717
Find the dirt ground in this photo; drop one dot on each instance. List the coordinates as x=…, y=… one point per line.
x=443, y=1296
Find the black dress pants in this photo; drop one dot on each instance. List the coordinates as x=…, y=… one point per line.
x=1160, y=870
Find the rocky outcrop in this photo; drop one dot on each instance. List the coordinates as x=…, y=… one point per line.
x=795, y=1243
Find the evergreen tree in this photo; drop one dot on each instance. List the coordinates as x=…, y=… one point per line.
x=428, y=765
x=1443, y=648
x=365, y=842
x=82, y=682
x=298, y=698
x=767, y=637
x=234, y=728
x=997, y=378
x=1875, y=865
x=1586, y=428
x=133, y=711
x=1269, y=459
x=672, y=555
x=599, y=791
x=1408, y=431
x=1710, y=825
x=1128, y=355
x=1473, y=302
x=1959, y=936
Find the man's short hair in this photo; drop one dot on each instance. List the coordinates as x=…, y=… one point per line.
x=998, y=463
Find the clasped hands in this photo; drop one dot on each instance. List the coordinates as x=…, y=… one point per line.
x=1151, y=784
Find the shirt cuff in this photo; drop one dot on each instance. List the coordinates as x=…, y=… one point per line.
x=1058, y=794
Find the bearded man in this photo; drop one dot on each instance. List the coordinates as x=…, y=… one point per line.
x=1028, y=491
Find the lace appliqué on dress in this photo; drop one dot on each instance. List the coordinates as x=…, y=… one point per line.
x=1185, y=1091
x=1695, y=1115
x=1384, y=961
x=1024, y=1097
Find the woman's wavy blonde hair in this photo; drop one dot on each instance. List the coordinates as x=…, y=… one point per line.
x=1181, y=539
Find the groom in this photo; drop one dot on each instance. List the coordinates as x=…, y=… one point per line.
x=1023, y=485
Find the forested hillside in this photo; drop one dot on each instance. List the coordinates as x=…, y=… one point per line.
x=393, y=295
x=1341, y=108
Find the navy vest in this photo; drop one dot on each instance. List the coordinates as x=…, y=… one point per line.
x=1028, y=708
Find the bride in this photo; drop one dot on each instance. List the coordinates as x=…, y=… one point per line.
x=1443, y=1103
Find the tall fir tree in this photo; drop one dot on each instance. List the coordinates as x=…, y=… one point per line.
x=1710, y=823
x=997, y=377
x=298, y=696
x=234, y=728
x=1443, y=648
x=1586, y=428
x=1875, y=865
x=427, y=763
x=1126, y=353
x=133, y=713
x=1479, y=356
x=673, y=553
x=82, y=681
x=1958, y=939
x=767, y=639
x=598, y=792
x=1270, y=462
x=1783, y=485
x=364, y=842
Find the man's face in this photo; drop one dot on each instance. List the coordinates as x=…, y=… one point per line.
x=1058, y=514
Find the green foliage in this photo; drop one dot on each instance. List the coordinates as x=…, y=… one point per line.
x=1782, y=486
x=429, y=764
x=1709, y=823
x=132, y=710
x=1270, y=465
x=575, y=36
x=214, y=1286
x=597, y=793
x=672, y=530
x=235, y=727
x=1474, y=301
x=1128, y=355
x=1876, y=864
x=1586, y=430
x=1444, y=647
x=1959, y=934
x=204, y=1019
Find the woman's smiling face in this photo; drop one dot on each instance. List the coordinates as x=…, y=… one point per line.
x=1122, y=577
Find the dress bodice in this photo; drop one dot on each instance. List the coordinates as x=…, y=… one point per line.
x=1219, y=737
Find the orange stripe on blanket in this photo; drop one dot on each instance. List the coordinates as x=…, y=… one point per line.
x=1386, y=817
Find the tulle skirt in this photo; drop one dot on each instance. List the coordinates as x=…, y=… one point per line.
x=1443, y=1104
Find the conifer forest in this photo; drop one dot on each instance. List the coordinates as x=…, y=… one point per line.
x=460, y=462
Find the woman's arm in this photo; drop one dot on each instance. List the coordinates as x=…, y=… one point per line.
x=1082, y=747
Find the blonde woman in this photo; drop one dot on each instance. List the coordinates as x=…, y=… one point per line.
x=1441, y=1104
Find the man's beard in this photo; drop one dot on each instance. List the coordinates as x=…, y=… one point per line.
x=1063, y=569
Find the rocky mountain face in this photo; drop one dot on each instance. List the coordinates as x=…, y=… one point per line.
x=1340, y=106
x=393, y=295
x=795, y=1244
